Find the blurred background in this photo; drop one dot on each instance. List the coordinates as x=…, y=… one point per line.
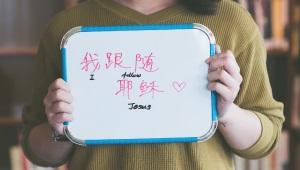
x=23, y=21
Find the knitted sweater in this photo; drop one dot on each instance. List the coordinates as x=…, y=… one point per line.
x=234, y=30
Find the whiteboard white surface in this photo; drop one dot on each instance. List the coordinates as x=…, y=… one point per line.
x=172, y=84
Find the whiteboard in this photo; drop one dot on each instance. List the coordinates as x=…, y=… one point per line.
x=139, y=83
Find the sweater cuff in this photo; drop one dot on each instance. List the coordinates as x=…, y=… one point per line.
x=264, y=144
x=27, y=150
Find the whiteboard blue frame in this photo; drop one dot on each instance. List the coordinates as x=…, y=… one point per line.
x=140, y=28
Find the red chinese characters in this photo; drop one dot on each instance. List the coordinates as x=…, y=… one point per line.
x=146, y=88
x=90, y=62
x=129, y=84
x=114, y=60
x=125, y=86
x=146, y=63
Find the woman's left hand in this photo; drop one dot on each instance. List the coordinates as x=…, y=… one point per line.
x=224, y=77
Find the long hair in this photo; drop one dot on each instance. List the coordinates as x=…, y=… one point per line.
x=204, y=7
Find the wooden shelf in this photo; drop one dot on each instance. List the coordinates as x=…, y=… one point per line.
x=10, y=121
x=277, y=46
x=22, y=51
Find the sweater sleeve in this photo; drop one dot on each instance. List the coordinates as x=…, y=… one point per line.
x=256, y=95
x=35, y=114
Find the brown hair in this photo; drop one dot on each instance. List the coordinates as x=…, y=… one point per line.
x=204, y=7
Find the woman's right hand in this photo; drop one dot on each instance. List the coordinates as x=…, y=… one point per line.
x=58, y=105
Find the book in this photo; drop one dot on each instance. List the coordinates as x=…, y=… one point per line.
x=294, y=31
x=295, y=111
x=279, y=19
x=260, y=10
x=276, y=160
x=18, y=161
x=240, y=163
x=259, y=15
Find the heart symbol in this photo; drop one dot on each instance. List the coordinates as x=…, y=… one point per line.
x=179, y=86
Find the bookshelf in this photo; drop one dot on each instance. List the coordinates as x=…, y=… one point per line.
x=279, y=23
x=18, y=51
x=10, y=121
x=277, y=46
x=22, y=24
x=293, y=107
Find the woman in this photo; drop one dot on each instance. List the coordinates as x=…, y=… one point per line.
x=250, y=119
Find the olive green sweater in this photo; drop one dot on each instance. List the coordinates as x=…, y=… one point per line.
x=233, y=28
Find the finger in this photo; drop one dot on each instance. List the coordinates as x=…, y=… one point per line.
x=57, y=96
x=48, y=112
x=50, y=116
x=221, y=89
x=223, y=77
x=61, y=118
x=60, y=95
x=59, y=128
x=222, y=60
x=230, y=56
x=230, y=59
x=57, y=121
x=59, y=84
x=61, y=107
x=217, y=50
x=226, y=62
